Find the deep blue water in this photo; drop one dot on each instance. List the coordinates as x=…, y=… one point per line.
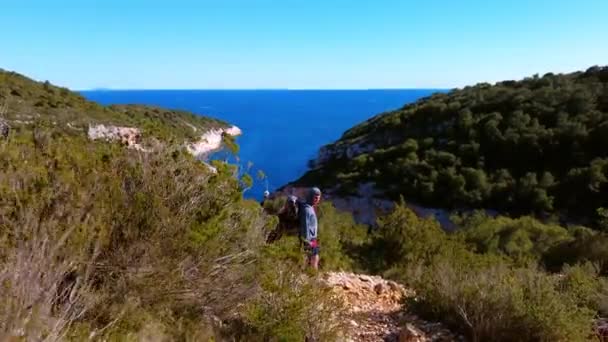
x=282, y=129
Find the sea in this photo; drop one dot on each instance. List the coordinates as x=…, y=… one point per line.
x=282, y=129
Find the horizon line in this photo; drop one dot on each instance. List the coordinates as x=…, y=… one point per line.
x=259, y=89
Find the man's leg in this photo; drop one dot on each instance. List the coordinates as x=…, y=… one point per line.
x=314, y=261
x=314, y=256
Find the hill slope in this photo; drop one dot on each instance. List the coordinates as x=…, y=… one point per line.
x=103, y=242
x=532, y=146
x=27, y=100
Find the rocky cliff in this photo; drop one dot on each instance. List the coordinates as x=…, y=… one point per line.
x=211, y=141
x=208, y=142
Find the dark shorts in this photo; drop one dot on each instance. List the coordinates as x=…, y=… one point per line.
x=313, y=249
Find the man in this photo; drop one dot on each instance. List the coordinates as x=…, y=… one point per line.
x=309, y=226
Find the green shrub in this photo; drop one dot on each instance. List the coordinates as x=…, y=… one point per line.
x=403, y=239
x=584, y=283
x=291, y=306
x=339, y=238
x=144, y=239
x=584, y=245
x=499, y=303
x=523, y=240
x=486, y=296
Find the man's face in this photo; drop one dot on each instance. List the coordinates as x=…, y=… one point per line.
x=316, y=199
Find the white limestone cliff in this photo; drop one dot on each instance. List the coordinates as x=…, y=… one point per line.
x=211, y=141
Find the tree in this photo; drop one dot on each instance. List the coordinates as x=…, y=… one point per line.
x=539, y=141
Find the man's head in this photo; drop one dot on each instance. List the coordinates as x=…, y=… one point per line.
x=266, y=194
x=314, y=196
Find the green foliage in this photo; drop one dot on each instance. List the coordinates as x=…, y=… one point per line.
x=480, y=280
x=584, y=246
x=339, y=238
x=230, y=143
x=534, y=146
x=523, y=240
x=402, y=230
x=602, y=213
x=101, y=242
x=291, y=306
x=166, y=247
x=499, y=303
x=246, y=181
x=583, y=282
x=143, y=239
x=28, y=101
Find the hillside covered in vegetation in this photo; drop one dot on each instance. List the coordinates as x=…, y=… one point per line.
x=103, y=242
x=27, y=101
x=106, y=243
x=532, y=146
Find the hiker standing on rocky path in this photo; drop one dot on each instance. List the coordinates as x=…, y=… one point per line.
x=309, y=228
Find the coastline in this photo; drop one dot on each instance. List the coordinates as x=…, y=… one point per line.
x=211, y=141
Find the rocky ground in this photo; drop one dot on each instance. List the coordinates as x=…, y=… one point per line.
x=375, y=311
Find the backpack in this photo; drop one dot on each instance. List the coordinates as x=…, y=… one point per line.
x=288, y=220
x=291, y=209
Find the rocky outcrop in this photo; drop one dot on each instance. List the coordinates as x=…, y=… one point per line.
x=364, y=206
x=367, y=204
x=130, y=136
x=211, y=141
x=375, y=310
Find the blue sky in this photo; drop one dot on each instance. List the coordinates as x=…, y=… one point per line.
x=298, y=44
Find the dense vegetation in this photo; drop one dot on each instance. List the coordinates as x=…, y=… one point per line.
x=535, y=146
x=100, y=242
x=497, y=279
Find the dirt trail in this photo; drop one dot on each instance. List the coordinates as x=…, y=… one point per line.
x=375, y=310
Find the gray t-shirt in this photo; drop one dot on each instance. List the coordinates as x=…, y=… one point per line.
x=308, y=222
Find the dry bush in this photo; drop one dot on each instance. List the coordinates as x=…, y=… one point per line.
x=291, y=305
x=43, y=292
x=486, y=296
x=155, y=239
x=501, y=304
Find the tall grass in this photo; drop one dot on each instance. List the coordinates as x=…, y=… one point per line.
x=97, y=240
